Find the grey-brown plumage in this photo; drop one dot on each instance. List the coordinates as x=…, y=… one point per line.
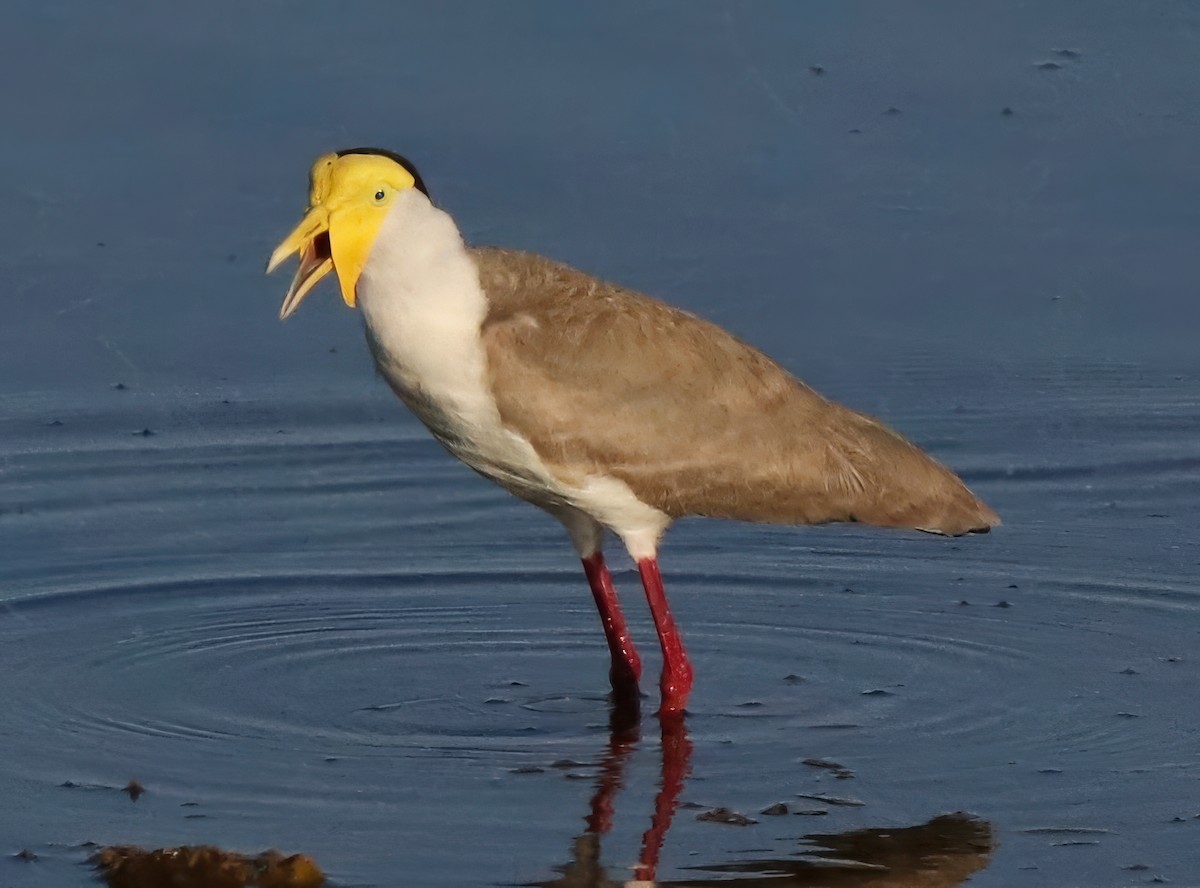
x=605, y=381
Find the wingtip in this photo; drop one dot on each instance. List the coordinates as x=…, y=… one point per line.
x=987, y=521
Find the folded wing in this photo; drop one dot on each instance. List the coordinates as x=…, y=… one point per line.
x=607, y=382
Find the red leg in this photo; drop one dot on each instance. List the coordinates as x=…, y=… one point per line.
x=676, y=681
x=626, y=664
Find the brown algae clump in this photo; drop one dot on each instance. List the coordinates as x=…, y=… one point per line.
x=203, y=866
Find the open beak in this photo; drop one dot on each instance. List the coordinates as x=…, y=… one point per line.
x=311, y=241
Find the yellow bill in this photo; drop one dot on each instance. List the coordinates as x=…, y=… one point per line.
x=311, y=241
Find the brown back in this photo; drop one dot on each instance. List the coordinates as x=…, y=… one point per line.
x=602, y=380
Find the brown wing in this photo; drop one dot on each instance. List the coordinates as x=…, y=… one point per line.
x=602, y=380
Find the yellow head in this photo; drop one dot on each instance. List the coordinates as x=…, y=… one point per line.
x=350, y=193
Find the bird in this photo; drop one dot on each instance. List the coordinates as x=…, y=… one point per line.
x=611, y=410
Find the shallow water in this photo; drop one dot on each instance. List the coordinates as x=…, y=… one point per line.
x=299, y=624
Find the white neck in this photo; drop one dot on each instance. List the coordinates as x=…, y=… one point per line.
x=418, y=256
x=423, y=305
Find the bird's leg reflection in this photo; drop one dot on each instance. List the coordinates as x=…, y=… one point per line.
x=586, y=869
x=942, y=852
x=676, y=766
x=624, y=731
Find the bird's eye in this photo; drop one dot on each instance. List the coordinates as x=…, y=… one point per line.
x=379, y=195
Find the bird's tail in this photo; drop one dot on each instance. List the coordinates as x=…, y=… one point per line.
x=892, y=483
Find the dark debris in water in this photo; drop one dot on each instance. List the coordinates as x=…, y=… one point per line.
x=26, y=855
x=811, y=812
x=126, y=866
x=1066, y=831
x=1048, y=66
x=840, y=771
x=134, y=790
x=73, y=784
x=793, y=679
x=725, y=815
x=775, y=810
x=837, y=801
x=527, y=769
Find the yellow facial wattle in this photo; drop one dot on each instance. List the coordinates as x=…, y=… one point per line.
x=349, y=197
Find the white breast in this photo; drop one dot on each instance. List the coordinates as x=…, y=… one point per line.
x=423, y=306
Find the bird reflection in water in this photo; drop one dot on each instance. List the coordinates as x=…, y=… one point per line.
x=939, y=853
